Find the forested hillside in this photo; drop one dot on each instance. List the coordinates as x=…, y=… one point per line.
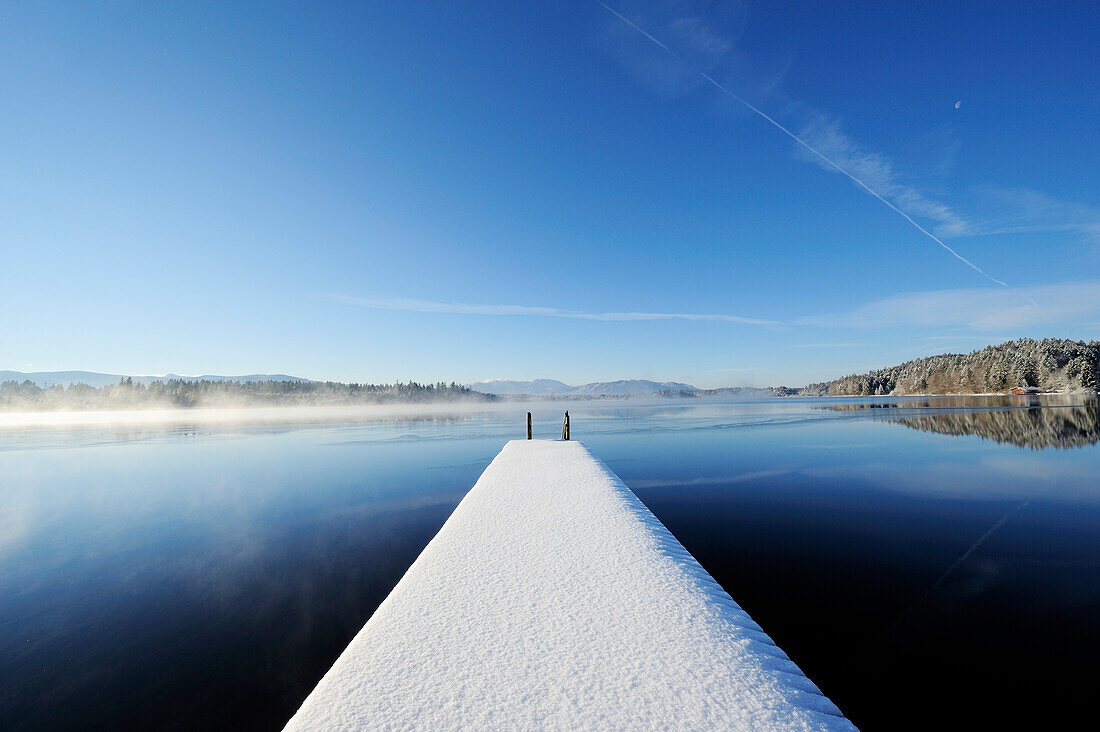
x=1051, y=364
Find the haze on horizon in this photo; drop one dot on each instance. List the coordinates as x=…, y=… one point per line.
x=436, y=191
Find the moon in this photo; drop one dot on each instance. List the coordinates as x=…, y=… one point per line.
x=958, y=104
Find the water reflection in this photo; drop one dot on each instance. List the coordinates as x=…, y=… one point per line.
x=1032, y=421
x=204, y=576
x=202, y=579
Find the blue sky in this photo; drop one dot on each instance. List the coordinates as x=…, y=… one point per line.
x=482, y=190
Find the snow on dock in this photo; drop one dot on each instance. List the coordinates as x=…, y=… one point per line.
x=553, y=598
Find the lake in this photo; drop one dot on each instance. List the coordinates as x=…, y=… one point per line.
x=927, y=562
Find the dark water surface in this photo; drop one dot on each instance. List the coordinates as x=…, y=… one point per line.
x=928, y=563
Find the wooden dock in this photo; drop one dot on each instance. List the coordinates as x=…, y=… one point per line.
x=553, y=598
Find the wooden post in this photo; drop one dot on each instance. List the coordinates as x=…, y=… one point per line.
x=565, y=428
x=528, y=425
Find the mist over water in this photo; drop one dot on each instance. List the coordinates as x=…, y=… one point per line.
x=237, y=416
x=204, y=568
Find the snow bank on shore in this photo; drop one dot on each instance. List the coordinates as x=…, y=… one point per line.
x=552, y=597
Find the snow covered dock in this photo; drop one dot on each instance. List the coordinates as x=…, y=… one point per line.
x=553, y=598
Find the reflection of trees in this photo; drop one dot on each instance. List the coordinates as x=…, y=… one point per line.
x=1035, y=428
x=1035, y=422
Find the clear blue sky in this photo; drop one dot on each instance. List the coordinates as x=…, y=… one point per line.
x=449, y=190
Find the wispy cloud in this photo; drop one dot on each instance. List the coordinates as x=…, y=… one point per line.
x=824, y=133
x=702, y=48
x=1026, y=211
x=992, y=210
x=705, y=36
x=982, y=310
x=897, y=197
x=958, y=338
x=428, y=306
x=733, y=370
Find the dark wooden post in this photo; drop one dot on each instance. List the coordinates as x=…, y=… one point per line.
x=528, y=425
x=565, y=428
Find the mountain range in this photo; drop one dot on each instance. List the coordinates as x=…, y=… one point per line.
x=551, y=387
x=1051, y=364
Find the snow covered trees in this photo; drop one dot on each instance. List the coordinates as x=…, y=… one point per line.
x=1051, y=364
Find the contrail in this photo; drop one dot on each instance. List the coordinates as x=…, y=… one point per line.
x=801, y=142
x=959, y=561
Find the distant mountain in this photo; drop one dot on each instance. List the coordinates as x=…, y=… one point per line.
x=743, y=392
x=632, y=387
x=508, y=387
x=91, y=378
x=64, y=378
x=552, y=388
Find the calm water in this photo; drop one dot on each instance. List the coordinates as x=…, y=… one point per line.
x=927, y=563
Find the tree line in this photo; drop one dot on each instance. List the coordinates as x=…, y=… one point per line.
x=1051, y=364
x=184, y=393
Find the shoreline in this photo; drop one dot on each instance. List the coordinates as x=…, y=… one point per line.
x=245, y=416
